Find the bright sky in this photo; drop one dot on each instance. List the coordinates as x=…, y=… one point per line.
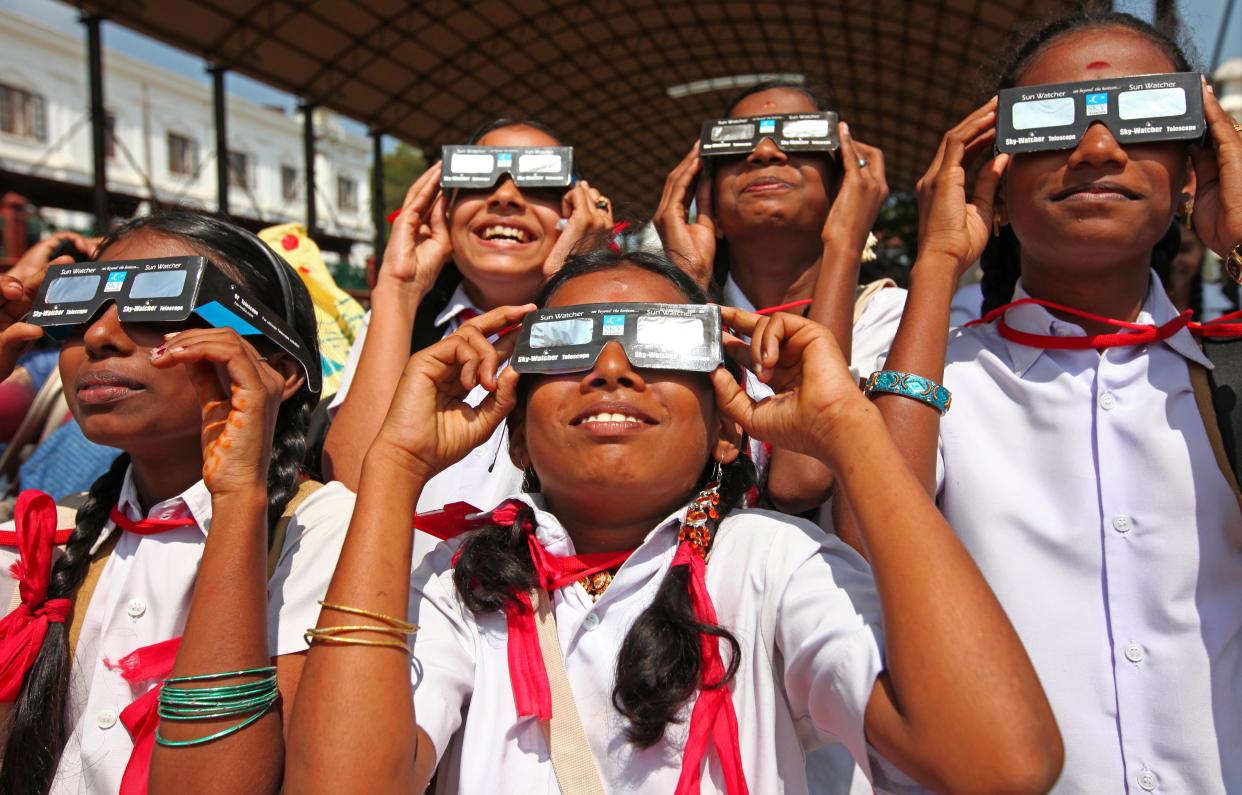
x=1202, y=18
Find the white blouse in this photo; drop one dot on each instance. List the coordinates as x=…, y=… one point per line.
x=1086, y=489
x=143, y=597
x=802, y=605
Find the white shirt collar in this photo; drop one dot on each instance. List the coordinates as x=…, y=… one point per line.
x=1035, y=319
x=194, y=502
x=458, y=302
x=553, y=536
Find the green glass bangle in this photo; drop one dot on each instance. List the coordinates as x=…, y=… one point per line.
x=267, y=670
x=174, y=693
x=222, y=733
x=213, y=710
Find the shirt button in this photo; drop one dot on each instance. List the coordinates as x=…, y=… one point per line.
x=168, y=513
x=1121, y=524
x=1108, y=401
x=105, y=718
x=590, y=622
x=1134, y=653
x=136, y=608
x=1147, y=780
x=1062, y=331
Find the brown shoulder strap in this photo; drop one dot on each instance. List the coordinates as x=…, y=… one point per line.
x=277, y=544
x=572, y=759
x=1203, y=397
x=82, y=596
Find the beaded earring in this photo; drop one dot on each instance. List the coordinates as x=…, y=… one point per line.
x=695, y=530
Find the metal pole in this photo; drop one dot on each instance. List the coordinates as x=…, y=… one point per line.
x=308, y=153
x=94, y=49
x=222, y=139
x=377, y=193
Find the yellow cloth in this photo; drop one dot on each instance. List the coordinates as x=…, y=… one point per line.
x=338, y=315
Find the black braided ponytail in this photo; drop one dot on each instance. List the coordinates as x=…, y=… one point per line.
x=39, y=727
x=1001, y=257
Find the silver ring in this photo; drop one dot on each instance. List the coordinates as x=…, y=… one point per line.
x=601, y=204
x=862, y=163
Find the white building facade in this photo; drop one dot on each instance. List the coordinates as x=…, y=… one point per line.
x=162, y=143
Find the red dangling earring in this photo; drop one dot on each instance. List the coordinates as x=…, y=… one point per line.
x=703, y=508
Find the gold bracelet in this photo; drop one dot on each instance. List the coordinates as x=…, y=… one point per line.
x=1233, y=263
x=392, y=621
x=317, y=635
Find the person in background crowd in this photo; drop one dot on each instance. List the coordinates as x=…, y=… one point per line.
x=1075, y=465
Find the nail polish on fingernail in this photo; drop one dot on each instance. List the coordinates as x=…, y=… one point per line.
x=158, y=352
x=171, y=334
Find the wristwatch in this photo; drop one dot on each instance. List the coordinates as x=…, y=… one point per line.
x=1233, y=263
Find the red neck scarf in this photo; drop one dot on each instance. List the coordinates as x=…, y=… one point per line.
x=147, y=527
x=22, y=631
x=1129, y=334
x=140, y=718
x=712, y=719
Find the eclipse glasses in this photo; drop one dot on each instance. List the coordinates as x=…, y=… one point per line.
x=568, y=339
x=166, y=290
x=1166, y=107
x=527, y=166
x=791, y=132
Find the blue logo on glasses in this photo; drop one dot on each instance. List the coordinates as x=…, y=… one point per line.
x=1097, y=104
x=614, y=325
x=767, y=125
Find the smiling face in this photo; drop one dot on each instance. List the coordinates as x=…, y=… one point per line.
x=769, y=189
x=502, y=233
x=642, y=436
x=114, y=392
x=1099, y=202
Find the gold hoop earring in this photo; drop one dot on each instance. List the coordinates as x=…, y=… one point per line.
x=1189, y=209
x=996, y=222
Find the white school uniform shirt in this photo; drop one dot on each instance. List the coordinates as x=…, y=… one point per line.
x=451, y=317
x=143, y=597
x=1086, y=489
x=873, y=332
x=801, y=604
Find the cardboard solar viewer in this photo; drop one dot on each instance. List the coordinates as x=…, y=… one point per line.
x=791, y=132
x=1165, y=107
x=163, y=290
x=528, y=166
x=568, y=339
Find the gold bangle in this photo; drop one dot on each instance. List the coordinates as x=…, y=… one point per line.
x=392, y=621
x=313, y=635
x=347, y=628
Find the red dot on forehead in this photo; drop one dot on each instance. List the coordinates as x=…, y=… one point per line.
x=1098, y=65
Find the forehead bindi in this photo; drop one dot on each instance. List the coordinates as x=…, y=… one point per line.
x=774, y=100
x=1095, y=54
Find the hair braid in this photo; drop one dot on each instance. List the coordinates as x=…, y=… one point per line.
x=39, y=728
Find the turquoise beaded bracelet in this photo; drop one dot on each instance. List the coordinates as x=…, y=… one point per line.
x=915, y=387
x=206, y=703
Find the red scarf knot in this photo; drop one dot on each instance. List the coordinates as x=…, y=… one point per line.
x=140, y=718
x=22, y=631
x=147, y=527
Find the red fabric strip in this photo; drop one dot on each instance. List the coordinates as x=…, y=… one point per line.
x=140, y=718
x=23, y=630
x=147, y=527
x=8, y=538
